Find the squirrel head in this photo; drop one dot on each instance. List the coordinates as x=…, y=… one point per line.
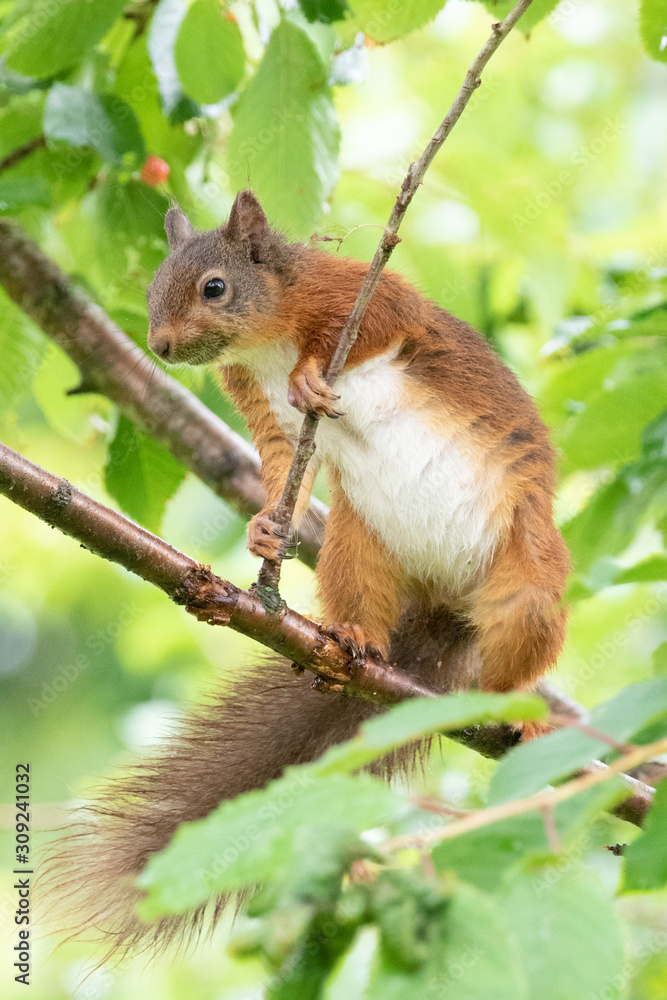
x=215, y=289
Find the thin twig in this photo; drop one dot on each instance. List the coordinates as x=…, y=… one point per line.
x=268, y=581
x=316, y=238
x=20, y=153
x=548, y=798
x=550, y=828
x=559, y=702
x=431, y=804
x=574, y=722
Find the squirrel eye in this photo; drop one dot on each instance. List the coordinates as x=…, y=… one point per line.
x=214, y=288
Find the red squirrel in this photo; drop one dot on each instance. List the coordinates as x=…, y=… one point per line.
x=440, y=550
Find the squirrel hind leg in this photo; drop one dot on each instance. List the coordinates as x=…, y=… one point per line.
x=517, y=611
x=521, y=642
x=358, y=580
x=353, y=639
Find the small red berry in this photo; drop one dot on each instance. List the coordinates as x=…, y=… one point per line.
x=154, y=171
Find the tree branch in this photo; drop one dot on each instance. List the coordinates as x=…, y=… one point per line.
x=268, y=581
x=111, y=364
x=112, y=536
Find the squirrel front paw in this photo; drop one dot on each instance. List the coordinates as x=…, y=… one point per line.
x=266, y=539
x=309, y=393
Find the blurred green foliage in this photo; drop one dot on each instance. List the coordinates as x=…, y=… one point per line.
x=542, y=222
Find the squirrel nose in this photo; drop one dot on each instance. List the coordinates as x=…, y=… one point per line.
x=159, y=345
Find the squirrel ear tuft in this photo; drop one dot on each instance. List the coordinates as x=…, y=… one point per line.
x=178, y=227
x=247, y=222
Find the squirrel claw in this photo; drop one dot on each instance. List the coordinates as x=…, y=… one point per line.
x=309, y=393
x=351, y=638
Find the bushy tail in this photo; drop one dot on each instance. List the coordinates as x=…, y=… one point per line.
x=240, y=740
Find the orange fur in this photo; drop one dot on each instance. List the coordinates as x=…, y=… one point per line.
x=275, y=450
x=516, y=610
x=265, y=539
x=358, y=581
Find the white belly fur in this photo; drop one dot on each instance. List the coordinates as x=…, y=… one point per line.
x=427, y=495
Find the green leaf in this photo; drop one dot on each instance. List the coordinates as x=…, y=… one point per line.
x=482, y=856
x=137, y=84
x=58, y=175
x=104, y=122
x=326, y=11
x=587, y=443
x=660, y=659
x=384, y=21
x=650, y=570
x=610, y=520
x=479, y=958
x=574, y=816
x=55, y=35
x=251, y=838
x=649, y=323
x=17, y=193
x=418, y=718
x=653, y=27
x=605, y=526
x=162, y=34
x=577, y=378
x=471, y=955
x=285, y=138
x=129, y=223
x=20, y=121
x=141, y=474
x=22, y=347
x=209, y=53
x=566, y=928
x=75, y=417
x=654, y=437
x=405, y=906
x=530, y=766
x=646, y=858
